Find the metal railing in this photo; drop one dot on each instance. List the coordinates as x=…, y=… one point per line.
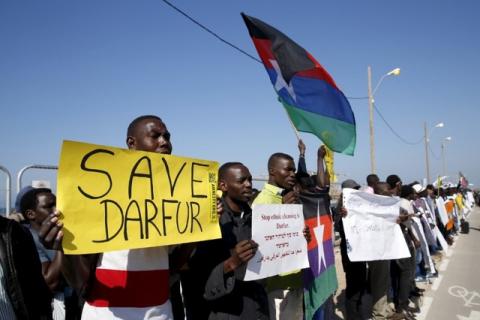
x=33, y=166
x=8, y=191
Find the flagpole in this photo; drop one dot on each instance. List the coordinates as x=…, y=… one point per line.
x=293, y=126
x=438, y=186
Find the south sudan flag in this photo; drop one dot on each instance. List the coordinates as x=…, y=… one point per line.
x=320, y=280
x=312, y=99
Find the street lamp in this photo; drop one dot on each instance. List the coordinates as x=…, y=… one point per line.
x=427, y=140
x=394, y=72
x=445, y=140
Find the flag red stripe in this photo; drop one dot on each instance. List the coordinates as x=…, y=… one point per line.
x=265, y=53
x=121, y=288
x=327, y=233
x=319, y=73
x=264, y=50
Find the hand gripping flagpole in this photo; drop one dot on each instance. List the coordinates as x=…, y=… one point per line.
x=291, y=122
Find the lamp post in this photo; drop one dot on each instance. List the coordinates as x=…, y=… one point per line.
x=394, y=72
x=445, y=140
x=427, y=140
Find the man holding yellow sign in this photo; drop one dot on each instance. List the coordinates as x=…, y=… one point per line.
x=114, y=199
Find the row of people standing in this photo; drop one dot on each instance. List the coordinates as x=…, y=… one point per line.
x=144, y=283
x=395, y=280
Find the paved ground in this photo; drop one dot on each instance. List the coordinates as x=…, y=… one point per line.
x=455, y=294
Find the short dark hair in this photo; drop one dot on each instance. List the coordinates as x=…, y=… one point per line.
x=392, y=180
x=406, y=191
x=29, y=200
x=222, y=171
x=372, y=179
x=134, y=124
x=381, y=188
x=278, y=155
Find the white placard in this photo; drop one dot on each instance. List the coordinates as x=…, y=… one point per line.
x=282, y=248
x=420, y=234
x=371, y=230
x=442, y=211
x=470, y=199
x=469, y=202
x=441, y=239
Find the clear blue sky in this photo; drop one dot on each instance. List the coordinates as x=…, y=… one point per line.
x=82, y=70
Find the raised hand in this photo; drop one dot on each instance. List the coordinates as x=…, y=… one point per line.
x=321, y=152
x=301, y=147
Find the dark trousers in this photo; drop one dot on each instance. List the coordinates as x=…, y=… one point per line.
x=403, y=273
x=379, y=280
x=176, y=301
x=356, y=276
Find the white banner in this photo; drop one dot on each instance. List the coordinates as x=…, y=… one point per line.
x=470, y=199
x=441, y=239
x=282, y=248
x=371, y=229
x=442, y=211
x=420, y=234
x=469, y=203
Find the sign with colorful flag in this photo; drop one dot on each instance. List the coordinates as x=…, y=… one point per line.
x=320, y=280
x=311, y=98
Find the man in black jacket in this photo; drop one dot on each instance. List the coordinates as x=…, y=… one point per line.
x=27, y=294
x=228, y=295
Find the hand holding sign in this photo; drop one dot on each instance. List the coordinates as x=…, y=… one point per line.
x=290, y=197
x=241, y=253
x=51, y=233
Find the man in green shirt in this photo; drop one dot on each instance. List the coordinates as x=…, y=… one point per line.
x=285, y=292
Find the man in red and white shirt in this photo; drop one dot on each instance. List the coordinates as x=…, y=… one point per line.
x=125, y=284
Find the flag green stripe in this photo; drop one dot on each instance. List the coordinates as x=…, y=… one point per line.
x=339, y=136
x=319, y=291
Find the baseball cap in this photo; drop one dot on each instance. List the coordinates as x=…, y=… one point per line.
x=418, y=188
x=349, y=183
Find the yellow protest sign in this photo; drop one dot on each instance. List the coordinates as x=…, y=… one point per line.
x=113, y=199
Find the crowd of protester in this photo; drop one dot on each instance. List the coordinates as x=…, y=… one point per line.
x=392, y=284
x=205, y=280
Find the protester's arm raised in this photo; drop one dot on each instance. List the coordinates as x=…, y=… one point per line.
x=323, y=178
